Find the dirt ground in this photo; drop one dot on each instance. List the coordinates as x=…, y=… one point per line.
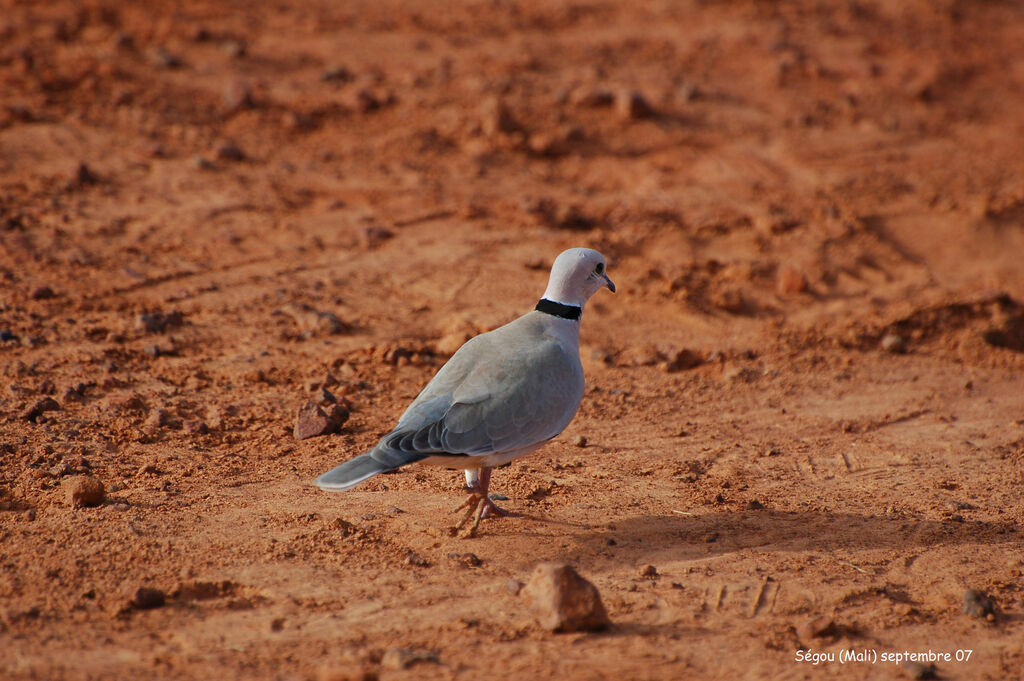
x=804, y=408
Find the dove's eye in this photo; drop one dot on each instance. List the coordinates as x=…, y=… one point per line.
x=600, y=268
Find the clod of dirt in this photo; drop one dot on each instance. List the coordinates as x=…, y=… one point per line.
x=316, y=322
x=563, y=601
x=979, y=604
x=41, y=293
x=196, y=427
x=145, y=597
x=313, y=421
x=495, y=118
x=158, y=322
x=374, y=236
x=158, y=418
x=229, y=151
x=815, y=628
x=631, y=105
x=37, y=409
x=336, y=74
x=403, y=658
x=919, y=670
x=591, y=97
x=465, y=559
x=681, y=360
x=893, y=343
x=790, y=281
x=236, y=96
x=83, y=491
x=160, y=57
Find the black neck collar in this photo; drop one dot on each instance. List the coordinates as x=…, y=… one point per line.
x=557, y=309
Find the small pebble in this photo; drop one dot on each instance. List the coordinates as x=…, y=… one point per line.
x=145, y=597
x=978, y=604
x=403, y=658
x=648, y=572
x=229, y=152
x=580, y=441
x=196, y=427
x=815, y=628
x=631, y=105
x=755, y=505
x=893, y=343
x=514, y=586
x=41, y=293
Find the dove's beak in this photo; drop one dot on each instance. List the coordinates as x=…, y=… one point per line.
x=609, y=283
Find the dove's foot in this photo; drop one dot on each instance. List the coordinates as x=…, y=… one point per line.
x=478, y=505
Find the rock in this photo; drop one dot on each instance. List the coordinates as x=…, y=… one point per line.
x=893, y=343
x=83, y=491
x=580, y=441
x=236, y=96
x=495, y=118
x=7, y=335
x=741, y=374
x=33, y=413
x=755, y=505
x=630, y=105
x=336, y=74
x=591, y=96
x=648, y=572
x=563, y=601
x=196, y=427
x=465, y=559
x=978, y=604
x=158, y=418
x=157, y=322
x=229, y=151
x=790, y=281
x=145, y=597
x=41, y=293
x=403, y=658
x=313, y=421
x=374, y=236
x=514, y=586
x=681, y=360
x=158, y=56
x=815, y=628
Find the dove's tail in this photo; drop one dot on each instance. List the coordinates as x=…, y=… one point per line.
x=364, y=466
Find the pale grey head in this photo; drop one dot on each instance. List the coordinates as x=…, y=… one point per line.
x=577, y=274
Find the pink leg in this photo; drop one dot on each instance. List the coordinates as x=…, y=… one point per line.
x=478, y=506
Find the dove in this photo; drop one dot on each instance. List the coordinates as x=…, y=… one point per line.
x=502, y=395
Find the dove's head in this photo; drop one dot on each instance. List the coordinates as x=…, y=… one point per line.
x=577, y=274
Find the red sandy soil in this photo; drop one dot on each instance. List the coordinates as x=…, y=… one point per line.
x=778, y=186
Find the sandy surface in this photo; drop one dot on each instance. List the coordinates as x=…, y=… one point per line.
x=821, y=205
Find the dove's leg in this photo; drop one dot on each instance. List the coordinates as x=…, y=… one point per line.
x=478, y=506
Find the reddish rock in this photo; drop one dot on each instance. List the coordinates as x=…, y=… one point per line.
x=563, y=601
x=145, y=597
x=790, y=281
x=313, y=421
x=83, y=491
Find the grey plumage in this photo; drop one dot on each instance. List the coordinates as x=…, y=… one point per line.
x=502, y=395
